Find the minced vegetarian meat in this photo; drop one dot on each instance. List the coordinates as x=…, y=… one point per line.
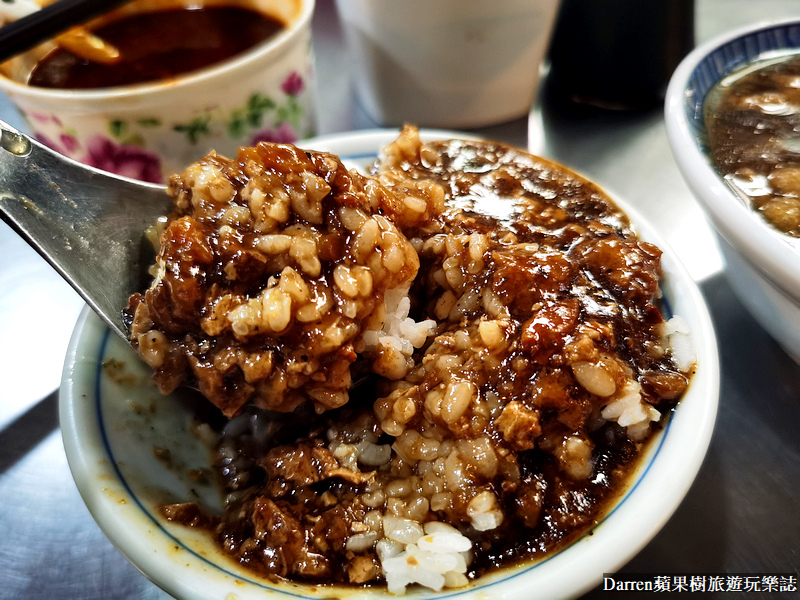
x=271, y=266
x=509, y=373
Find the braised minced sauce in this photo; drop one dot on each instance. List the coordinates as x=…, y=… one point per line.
x=544, y=307
x=753, y=123
x=159, y=45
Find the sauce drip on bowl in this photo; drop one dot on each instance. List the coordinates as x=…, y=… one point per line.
x=159, y=45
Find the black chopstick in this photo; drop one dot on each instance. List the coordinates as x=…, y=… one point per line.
x=21, y=35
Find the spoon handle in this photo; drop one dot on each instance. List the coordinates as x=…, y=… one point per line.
x=88, y=224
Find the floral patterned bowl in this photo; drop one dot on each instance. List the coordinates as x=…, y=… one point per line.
x=152, y=130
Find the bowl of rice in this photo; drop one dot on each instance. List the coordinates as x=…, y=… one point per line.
x=522, y=408
x=731, y=117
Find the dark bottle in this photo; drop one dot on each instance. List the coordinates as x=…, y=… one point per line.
x=619, y=54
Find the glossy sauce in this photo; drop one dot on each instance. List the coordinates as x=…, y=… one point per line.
x=159, y=45
x=577, y=284
x=753, y=123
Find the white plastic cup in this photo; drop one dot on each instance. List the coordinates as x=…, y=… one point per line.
x=447, y=63
x=151, y=130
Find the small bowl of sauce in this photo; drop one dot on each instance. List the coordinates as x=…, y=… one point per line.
x=215, y=75
x=158, y=46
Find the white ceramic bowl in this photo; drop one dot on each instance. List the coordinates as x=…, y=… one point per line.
x=448, y=63
x=112, y=416
x=149, y=131
x=763, y=266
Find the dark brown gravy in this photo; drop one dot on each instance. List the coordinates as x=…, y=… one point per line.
x=753, y=123
x=562, y=258
x=159, y=45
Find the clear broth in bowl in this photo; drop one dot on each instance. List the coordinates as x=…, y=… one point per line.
x=753, y=123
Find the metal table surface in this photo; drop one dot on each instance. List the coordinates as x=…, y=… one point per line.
x=742, y=515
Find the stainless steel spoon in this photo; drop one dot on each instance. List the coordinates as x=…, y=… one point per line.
x=85, y=222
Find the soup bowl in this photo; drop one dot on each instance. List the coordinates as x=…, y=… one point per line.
x=763, y=264
x=150, y=130
x=131, y=449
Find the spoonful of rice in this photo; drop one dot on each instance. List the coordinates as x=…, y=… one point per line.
x=86, y=223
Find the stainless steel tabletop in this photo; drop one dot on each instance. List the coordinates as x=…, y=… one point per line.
x=742, y=515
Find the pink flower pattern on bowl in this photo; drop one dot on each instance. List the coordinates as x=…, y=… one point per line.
x=128, y=146
x=69, y=142
x=282, y=134
x=293, y=85
x=127, y=160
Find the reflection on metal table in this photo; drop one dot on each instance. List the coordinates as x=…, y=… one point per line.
x=740, y=516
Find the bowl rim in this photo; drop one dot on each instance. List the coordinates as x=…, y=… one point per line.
x=659, y=484
x=249, y=59
x=763, y=247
